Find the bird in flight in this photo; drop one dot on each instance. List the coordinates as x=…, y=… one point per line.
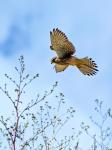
x=65, y=50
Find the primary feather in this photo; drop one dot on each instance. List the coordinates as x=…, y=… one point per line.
x=61, y=44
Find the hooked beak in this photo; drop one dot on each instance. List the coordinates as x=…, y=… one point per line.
x=53, y=60
x=51, y=48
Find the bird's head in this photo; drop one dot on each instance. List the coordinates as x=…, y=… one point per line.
x=53, y=60
x=51, y=47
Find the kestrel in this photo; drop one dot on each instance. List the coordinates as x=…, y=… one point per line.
x=65, y=50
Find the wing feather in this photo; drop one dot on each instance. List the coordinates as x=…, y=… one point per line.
x=61, y=44
x=59, y=68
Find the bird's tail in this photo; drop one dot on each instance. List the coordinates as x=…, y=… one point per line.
x=86, y=65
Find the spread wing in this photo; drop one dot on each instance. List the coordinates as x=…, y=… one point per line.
x=59, y=68
x=61, y=44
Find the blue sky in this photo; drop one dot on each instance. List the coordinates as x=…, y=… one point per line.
x=25, y=27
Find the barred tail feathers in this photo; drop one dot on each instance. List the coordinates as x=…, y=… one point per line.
x=86, y=65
